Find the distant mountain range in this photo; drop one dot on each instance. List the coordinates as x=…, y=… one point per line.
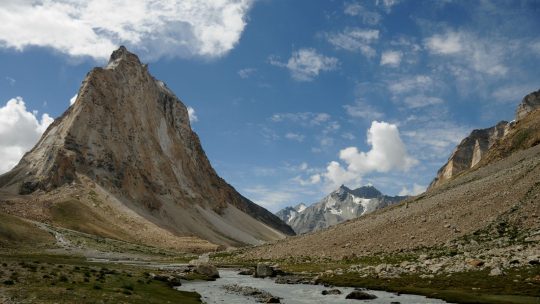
x=341, y=205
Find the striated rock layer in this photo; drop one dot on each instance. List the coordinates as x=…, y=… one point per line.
x=129, y=134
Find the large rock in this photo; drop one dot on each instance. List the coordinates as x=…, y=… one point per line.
x=264, y=270
x=360, y=295
x=207, y=270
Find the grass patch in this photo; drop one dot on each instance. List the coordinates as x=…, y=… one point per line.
x=66, y=279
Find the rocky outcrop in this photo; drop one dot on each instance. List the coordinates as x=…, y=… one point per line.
x=128, y=133
x=474, y=147
x=469, y=152
x=529, y=103
x=339, y=206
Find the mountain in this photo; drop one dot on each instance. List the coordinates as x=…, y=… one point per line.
x=489, y=212
x=339, y=206
x=472, y=149
x=125, y=158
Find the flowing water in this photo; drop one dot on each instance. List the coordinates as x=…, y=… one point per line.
x=213, y=292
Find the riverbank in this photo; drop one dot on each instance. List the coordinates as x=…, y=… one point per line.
x=451, y=276
x=47, y=278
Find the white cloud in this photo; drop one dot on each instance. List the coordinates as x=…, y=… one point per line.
x=416, y=189
x=270, y=198
x=361, y=109
x=355, y=39
x=19, y=131
x=449, y=43
x=295, y=136
x=388, y=152
x=246, y=73
x=305, y=119
x=306, y=64
x=408, y=84
x=419, y=101
x=391, y=58
x=192, y=115
x=513, y=93
x=73, y=99
x=387, y=4
x=10, y=80
x=355, y=9
x=473, y=52
x=153, y=28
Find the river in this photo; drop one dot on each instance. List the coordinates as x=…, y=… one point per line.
x=213, y=292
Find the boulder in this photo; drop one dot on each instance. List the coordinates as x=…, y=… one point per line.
x=360, y=295
x=331, y=292
x=272, y=300
x=208, y=270
x=263, y=271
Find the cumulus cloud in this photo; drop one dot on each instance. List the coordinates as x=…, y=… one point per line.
x=20, y=129
x=388, y=152
x=415, y=190
x=355, y=40
x=391, y=58
x=192, y=115
x=152, y=28
x=306, y=64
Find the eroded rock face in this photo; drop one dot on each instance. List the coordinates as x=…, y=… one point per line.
x=529, y=103
x=130, y=134
x=470, y=151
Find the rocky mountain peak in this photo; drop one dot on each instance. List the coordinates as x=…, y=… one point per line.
x=122, y=54
x=129, y=134
x=366, y=192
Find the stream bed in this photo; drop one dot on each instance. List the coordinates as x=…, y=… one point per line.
x=214, y=291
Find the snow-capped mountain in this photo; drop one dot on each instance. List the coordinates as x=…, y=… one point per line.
x=339, y=206
x=289, y=213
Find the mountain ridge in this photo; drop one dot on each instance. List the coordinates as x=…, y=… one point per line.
x=340, y=205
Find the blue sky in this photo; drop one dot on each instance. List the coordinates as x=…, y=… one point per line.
x=291, y=98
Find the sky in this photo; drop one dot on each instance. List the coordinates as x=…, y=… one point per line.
x=291, y=99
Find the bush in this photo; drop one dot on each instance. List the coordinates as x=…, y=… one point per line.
x=9, y=282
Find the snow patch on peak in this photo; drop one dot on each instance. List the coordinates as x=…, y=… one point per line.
x=300, y=207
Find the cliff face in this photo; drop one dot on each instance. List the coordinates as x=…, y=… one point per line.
x=529, y=104
x=130, y=134
x=474, y=147
x=469, y=152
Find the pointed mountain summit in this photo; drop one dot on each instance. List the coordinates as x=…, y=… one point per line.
x=128, y=138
